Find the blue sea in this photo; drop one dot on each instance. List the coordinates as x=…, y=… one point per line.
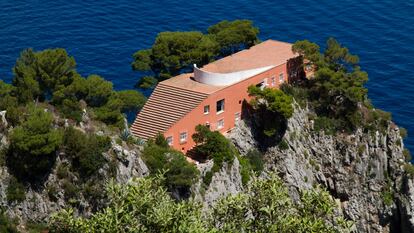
x=103, y=35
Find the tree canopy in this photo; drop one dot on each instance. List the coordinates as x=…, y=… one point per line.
x=175, y=52
x=338, y=83
x=272, y=109
x=38, y=74
x=33, y=144
x=50, y=76
x=234, y=36
x=274, y=100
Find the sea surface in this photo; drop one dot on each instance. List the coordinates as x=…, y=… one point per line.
x=103, y=35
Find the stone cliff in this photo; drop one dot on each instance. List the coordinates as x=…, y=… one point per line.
x=362, y=171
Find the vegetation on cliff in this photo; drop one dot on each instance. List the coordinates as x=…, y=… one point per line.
x=144, y=205
x=336, y=91
x=179, y=174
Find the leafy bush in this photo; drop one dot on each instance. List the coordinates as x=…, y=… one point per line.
x=245, y=169
x=300, y=94
x=407, y=155
x=147, y=82
x=283, y=145
x=37, y=227
x=179, y=173
x=92, y=191
x=274, y=100
x=143, y=205
x=403, y=132
x=52, y=192
x=62, y=171
x=213, y=145
x=409, y=169
x=256, y=160
x=85, y=151
x=208, y=177
x=7, y=225
x=328, y=125
x=70, y=189
x=16, y=192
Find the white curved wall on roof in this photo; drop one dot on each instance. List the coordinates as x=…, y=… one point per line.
x=224, y=79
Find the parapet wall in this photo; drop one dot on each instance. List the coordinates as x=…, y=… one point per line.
x=224, y=79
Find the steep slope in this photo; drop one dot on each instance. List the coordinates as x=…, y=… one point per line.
x=362, y=171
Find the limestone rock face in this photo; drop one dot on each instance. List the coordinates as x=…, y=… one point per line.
x=225, y=182
x=130, y=165
x=359, y=170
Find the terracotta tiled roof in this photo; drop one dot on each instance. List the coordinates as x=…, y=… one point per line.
x=267, y=53
x=166, y=105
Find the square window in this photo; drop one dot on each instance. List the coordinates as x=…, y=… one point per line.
x=281, y=78
x=183, y=137
x=207, y=109
x=169, y=140
x=220, y=106
x=220, y=124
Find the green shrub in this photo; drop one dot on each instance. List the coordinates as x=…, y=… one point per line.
x=208, y=178
x=62, y=171
x=179, y=173
x=7, y=225
x=71, y=109
x=275, y=100
x=283, y=145
x=245, y=169
x=300, y=94
x=361, y=149
x=263, y=206
x=33, y=145
x=328, y=125
x=377, y=119
x=403, y=132
x=92, y=191
x=16, y=192
x=256, y=160
x=85, y=150
x=409, y=169
x=213, y=145
x=70, y=189
x=407, y=155
x=52, y=192
x=36, y=227
x=387, y=193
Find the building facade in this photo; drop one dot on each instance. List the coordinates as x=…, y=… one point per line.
x=214, y=94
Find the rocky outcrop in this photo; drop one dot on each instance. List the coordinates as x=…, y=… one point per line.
x=362, y=171
x=130, y=164
x=225, y=182
x=39, y=205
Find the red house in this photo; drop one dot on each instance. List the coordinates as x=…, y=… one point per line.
x=213, y=95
